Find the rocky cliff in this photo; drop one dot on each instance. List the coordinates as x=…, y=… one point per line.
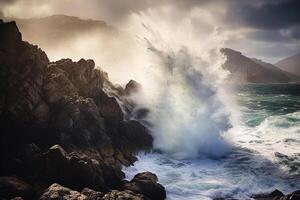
x=58, y=125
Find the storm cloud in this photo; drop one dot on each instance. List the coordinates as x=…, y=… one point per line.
x=259, y=24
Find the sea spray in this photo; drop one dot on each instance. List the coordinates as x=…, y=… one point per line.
x=184, y=89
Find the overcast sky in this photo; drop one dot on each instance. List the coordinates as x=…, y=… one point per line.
x=266, y=29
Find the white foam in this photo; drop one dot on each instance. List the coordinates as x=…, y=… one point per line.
x=184, y=89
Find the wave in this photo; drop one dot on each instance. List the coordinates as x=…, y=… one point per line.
x=276, y=138
x=185, y=94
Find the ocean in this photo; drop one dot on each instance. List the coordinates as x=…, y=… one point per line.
x=264, y=151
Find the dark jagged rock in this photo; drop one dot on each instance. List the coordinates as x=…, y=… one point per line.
x=293, y=196
x=146, y=183
x=132, y=87
x=58, y=123
x=91, y=194
x=73, y=170
x=56, y=191
x=277, y=195
x=123, y=195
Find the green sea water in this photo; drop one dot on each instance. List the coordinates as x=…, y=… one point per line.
x=265, y=150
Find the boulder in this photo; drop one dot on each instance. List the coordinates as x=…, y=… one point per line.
x=74, y=170
x=92, y=194
x=123, y=195
x=277, y=195
x=293, y=196
x=135, y=136
x=56, y=191
x=132, y=87
x=146, y=183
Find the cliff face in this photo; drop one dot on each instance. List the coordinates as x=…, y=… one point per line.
x=58, y=124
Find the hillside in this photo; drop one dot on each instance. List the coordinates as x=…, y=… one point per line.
x=247, y=70
x=290, y=64
x=73, y=37
x=48, y=32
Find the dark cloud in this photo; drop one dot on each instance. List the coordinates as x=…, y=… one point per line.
x=294, y=32
x=267, y=22
x=269, y=36
x=277, y=14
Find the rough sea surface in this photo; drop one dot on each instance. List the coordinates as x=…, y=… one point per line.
x=265, y=151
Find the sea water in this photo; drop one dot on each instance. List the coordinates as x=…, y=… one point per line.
x=264, y=155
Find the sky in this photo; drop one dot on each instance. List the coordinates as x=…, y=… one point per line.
x=265, y=29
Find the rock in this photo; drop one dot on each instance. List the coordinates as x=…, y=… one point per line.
x=275, y=195
x=132, y=87
x=9, y=37
x=56, y=191
x=135, y=136
x=56, y=162
x=22, y=74
x=57, y=85
x=123, y=195
x=59, y=122
x=108, y=107
x=83, y=75
x=91, y=194
x=32, y=157
x=72, y=169
x=79, y=122
x=146, y=183
x=141, y=113
x=11, y=187
x=293, y=196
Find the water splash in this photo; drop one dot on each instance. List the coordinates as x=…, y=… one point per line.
x=184, y=90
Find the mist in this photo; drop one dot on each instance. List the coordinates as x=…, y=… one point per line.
x=179, y=67
x=183, y=87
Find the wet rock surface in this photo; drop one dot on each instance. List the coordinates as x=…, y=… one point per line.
x=278, y=195
x=59, y=124
x=146, y=183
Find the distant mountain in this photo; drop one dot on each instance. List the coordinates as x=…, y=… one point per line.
x=62, y=35
x=247, y=70
x=51, y=31
x=290, y=64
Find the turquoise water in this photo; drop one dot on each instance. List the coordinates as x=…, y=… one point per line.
x=264, y=155
x=262, y=101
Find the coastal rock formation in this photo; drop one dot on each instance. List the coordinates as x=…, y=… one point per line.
x=123, y=195
x=59, y=124
x=56, y=191
x=146, y=184
x=277, y=195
